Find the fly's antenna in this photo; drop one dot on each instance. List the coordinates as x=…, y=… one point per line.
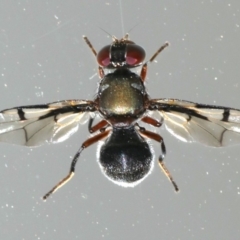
x=111, y=36
x=133, y=27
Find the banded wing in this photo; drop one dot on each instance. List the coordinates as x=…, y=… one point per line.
x=192, y=122
x=35, y=125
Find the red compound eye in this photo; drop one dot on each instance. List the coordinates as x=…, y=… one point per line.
x=103, y=56
x=135, y=54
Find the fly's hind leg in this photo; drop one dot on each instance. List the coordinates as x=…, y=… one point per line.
x=86, y=144
x=143, y=132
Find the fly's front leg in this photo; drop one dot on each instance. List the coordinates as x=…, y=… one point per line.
x=144, y=67
x=100, y=69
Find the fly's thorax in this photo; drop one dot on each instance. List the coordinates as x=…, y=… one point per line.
x=121, y=93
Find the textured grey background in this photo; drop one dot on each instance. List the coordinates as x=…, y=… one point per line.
x=43, y=59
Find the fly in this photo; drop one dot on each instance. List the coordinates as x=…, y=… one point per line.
x=123, y=104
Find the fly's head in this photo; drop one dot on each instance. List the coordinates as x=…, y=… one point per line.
x=121, y=53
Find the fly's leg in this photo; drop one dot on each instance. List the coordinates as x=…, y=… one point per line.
x=85, y=144
x=90, y=45
x=143, y=132
x=101, y=126
x=158, y=51
x=144, y=67
x=151, y=121
x=100, y=69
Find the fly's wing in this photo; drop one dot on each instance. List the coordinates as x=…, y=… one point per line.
x=35, y=125
x=192, y=122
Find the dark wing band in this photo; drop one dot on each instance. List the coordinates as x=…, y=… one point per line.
x=208, y=124
x=37, y=124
